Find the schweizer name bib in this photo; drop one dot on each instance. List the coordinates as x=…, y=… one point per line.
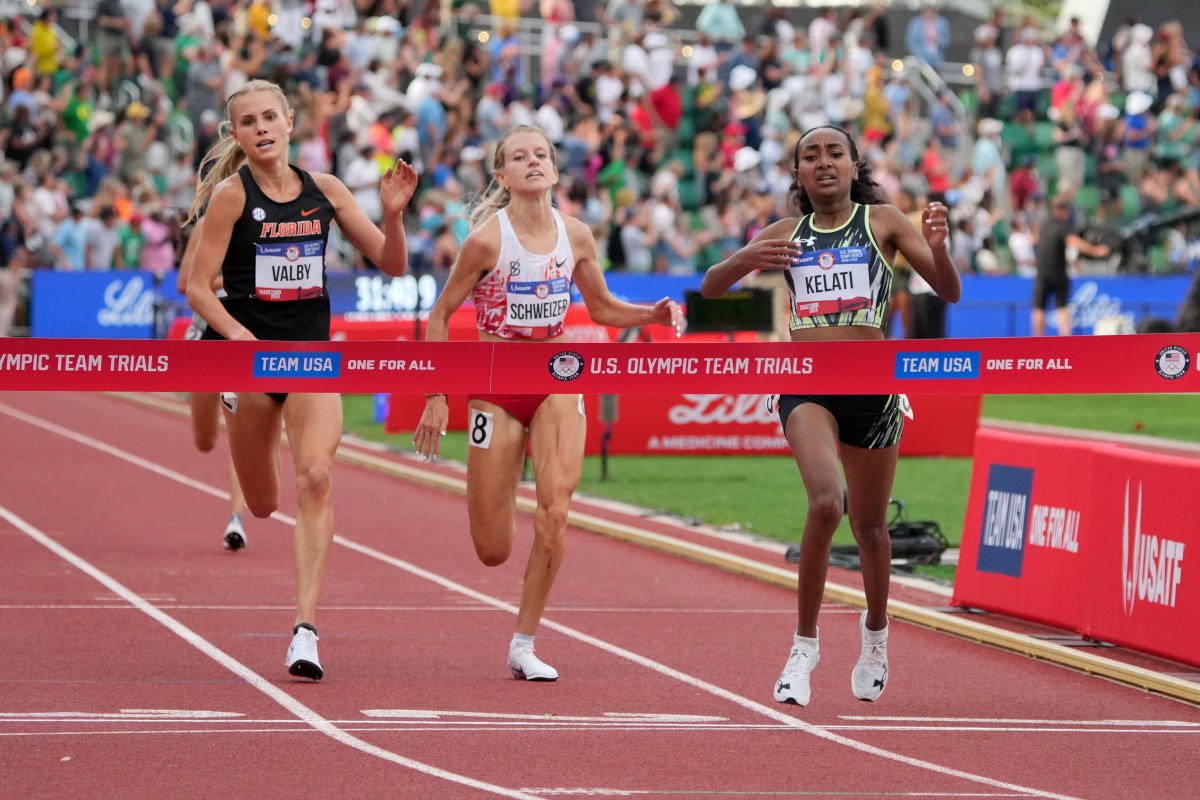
x=292, y=271
x=537, y=303
x=832, y=281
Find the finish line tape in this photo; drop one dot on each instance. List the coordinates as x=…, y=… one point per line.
x=1135, y=363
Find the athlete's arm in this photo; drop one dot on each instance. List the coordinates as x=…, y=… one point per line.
x=189, y=257
x=603, y=308
x=225, y=207
x=387, y=249
x=476, y=258
x=928, y=251
x=772, y=248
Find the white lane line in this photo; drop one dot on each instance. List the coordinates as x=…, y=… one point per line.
x=620, y=652
x=464, y=607
x=292, y=705
x=1150, y=723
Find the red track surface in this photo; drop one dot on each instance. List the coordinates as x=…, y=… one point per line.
x=667, y=666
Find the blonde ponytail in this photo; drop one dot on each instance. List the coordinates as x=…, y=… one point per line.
x=496, y=197
x=226, y=156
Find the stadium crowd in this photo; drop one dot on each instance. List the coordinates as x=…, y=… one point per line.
x=673, y=144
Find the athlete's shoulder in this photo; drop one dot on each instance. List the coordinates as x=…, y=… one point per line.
x=228, y=197
x=481, y=248
x=780, y=229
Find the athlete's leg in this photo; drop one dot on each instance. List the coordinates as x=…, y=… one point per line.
x=254, y=430
x=206, y=414
x=314, y=424
x=811, y=433
x=869, y=478
x=237, y=500
x=494, y=462
x=556, y=435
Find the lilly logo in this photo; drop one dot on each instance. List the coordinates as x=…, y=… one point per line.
x=127, y=303
x=1151, y=567
x=721, y=409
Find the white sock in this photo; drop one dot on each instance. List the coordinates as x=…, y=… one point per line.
x=810, y=641
x=520, y=641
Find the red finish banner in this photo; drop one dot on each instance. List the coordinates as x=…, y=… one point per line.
x=1088, y=536
x=1061, y=365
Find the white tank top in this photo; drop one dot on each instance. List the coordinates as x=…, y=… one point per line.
x=526, y=295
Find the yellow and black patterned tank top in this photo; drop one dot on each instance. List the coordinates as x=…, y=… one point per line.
x=840, y=278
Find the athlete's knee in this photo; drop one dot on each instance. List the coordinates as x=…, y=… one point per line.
x=492, y=553
x=261, y=506
x=551, y=527
x=314, y=483
x=825, y=509
x=872, y=534
x=205, y=442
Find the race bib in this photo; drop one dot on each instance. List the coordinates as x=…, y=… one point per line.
x=832, y=281
x=293, y=271
x=532, y=304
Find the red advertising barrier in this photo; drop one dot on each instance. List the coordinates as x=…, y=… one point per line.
x=1088, y=536
x=1146, y=363
x=723, y=424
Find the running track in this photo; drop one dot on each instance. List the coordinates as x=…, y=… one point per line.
x=111, y=574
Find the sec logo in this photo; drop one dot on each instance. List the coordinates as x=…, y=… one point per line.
x=258, y=214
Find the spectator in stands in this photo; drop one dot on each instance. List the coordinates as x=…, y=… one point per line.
x=131, y=241
x=988, y=60
x=928, y=36
x=102, y=240
x=1023, y=65
x=720, y=22
x=70, y=241
x=1139, y=129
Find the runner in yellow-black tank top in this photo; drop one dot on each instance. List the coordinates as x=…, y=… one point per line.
x=838, y=255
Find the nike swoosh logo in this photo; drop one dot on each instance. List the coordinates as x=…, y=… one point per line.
x=559, y=264
x=310, y=211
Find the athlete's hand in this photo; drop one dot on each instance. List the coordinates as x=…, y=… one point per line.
x=770, y=254
x=432, y=427
x=668, y=312
x=396, y=187
x=935, y=227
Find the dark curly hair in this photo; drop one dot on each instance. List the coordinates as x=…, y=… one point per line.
x=863, y=189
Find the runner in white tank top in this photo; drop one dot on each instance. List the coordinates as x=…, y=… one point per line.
x=518, y=263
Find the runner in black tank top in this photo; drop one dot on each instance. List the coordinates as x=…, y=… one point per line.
x=274, y=267
x=266, y=228
x=838, y=259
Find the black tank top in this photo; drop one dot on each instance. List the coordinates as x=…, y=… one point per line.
x=274, y=268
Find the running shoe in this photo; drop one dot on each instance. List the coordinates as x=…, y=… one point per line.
x=871, y=672
x=526, y=666
x=792, y=686
x=302, y=658
x=235, y=534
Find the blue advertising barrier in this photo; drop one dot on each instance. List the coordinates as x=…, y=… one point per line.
x=122, y=304
x=93, y=305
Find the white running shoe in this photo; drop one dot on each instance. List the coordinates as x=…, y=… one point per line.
x=235, y=534
x=871, y=672
x=302, y=658
x=792, y=686
x=528, y=667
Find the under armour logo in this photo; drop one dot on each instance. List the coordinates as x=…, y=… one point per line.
x=879, y=682
x=811, y=241
x=514, y=268
x=781, y=685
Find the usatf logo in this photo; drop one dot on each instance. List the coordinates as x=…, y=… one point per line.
x=1172, y=361
x=1005, y=520
x=566, y=366
x=1151, y=567
x=258, y=214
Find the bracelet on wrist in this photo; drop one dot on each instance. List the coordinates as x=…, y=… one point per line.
x=432, y=395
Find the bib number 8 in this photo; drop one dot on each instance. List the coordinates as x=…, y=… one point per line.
x=480, y=430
